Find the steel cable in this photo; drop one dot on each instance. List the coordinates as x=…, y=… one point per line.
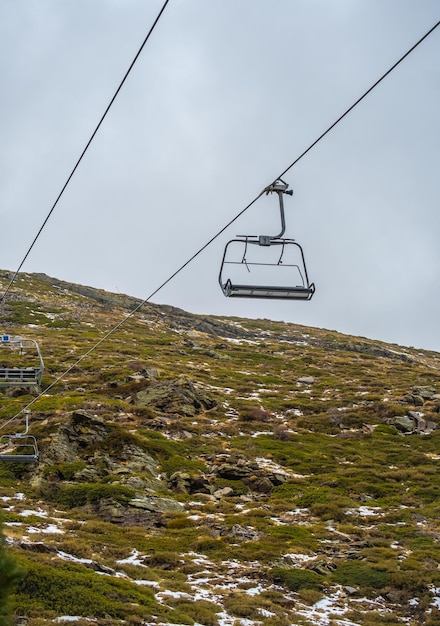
x=115, y=95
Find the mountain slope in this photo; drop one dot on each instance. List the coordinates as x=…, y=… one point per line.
x=198, y=469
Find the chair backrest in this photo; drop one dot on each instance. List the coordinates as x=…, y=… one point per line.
x=274, y=271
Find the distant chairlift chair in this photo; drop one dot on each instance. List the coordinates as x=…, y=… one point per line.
x=285, y=257
x=17, y=376
x=20, y=447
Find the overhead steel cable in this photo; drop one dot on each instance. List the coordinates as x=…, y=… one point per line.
x=364, y=95
x=115, y=95
x=127, y=317
x=208, y=243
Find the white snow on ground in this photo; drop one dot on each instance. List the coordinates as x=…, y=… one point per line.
x=74, y=559
x=299, y=517
x=50, y=529
x=324, y=612
x=298, y=560
x=434, y=457
x=28, y=512
x=294, y=343
x=239, y=342
x=296, y=412
x=365, y=511
x=73, y=618
x=271, y=466
x=147, y=583
x=217, y=580
x=173, y=594
x=436, y=599
x=132, y=559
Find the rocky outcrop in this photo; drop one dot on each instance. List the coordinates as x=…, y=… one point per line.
x=414, y=422
x=420, y=395
x=77, y=431
x=257, y=478
x=233, y=468
x=178, y=397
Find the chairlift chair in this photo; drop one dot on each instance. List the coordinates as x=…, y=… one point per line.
x=19, y=447
x=21, y=374
x=277, y=265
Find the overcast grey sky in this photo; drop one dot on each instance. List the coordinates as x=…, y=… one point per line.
x=226, y=94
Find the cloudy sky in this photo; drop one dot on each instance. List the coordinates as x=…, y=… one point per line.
x=226, y=94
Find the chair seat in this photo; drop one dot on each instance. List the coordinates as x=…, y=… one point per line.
x=269, y=292
x=19, y=458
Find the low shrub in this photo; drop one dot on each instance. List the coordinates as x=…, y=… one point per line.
x=242, y=605
x=66, y=589
x=359, y=573
x=238, y=486
x=10, y=575
x=90, y=493
x=179, y=463
x=201, y=611
x=328, y=511
x=163, y=560
x=64, y=471
x=254, y=414
x=296, y=535
x=297, y=579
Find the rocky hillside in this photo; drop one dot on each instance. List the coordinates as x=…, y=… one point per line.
x=217, y=471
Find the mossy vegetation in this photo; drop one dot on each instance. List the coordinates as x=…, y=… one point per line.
x=298, y=579
x=73, y=496
x=53, y=589
x=323, y=489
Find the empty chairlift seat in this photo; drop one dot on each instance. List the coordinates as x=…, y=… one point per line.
x=266, y=266
x=19, y=447
x=278, y=271
x=21, y=363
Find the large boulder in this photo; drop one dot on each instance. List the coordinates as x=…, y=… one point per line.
x=424, y=392
x=178, y=396
x=78, y=431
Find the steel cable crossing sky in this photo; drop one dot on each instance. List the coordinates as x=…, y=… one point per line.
x=115, y=95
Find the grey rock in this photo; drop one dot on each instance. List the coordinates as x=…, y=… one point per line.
x=223, y=493
x=425, y=392
x=404, y=424
x=232, y=472
x=178, y=396
x=136, y=483
x=150, y=503
x=135, y=378
x=306, y=380
x=244, y=533
x=417, y=400
x=36, y=547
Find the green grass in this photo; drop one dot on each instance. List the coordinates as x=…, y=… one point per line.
x=335, y=465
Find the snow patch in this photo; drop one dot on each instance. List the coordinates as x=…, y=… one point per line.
x=132, y=559
x=51, y=529
x=27, y=512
